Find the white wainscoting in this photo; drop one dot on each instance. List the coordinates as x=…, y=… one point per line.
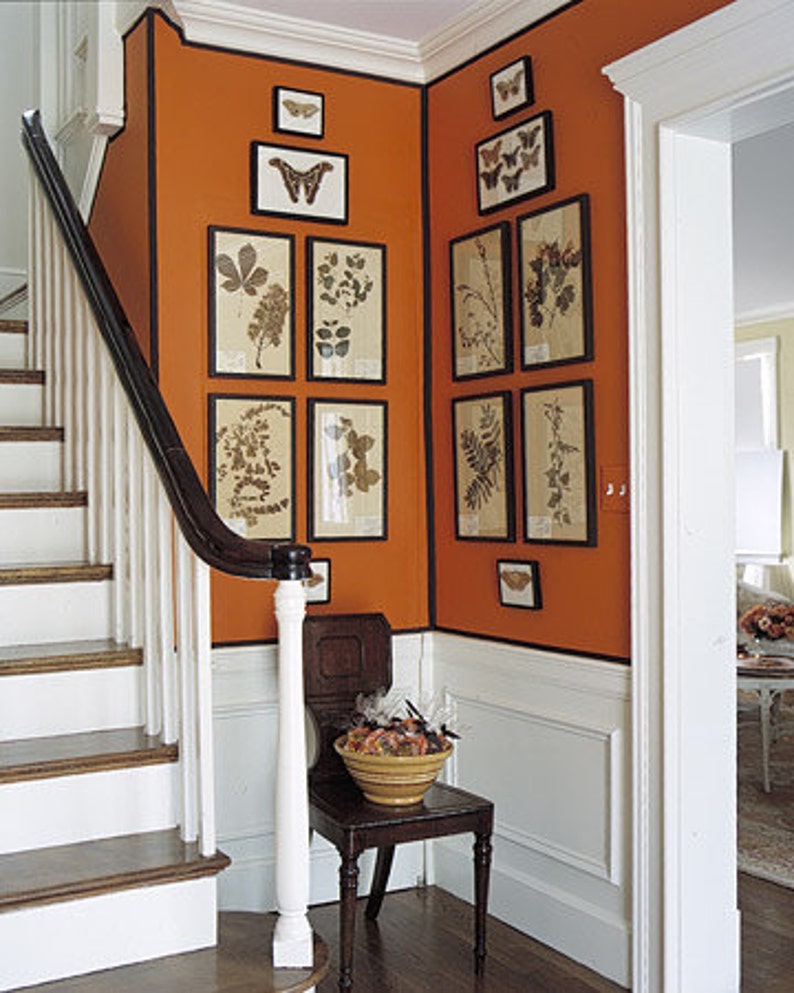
x=245, y=687
x=547, y=738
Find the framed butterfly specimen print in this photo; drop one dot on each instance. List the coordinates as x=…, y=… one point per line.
x=558, y=463
x=298, y=112
x=555, y=284
x=482, y=437
x=252, y=464
x=511, y=88
x=515, y=164
x=347, y=311
x=251, y=314
x=519, y=583
x=293, y=182
x=481, y=310
x=347, y=470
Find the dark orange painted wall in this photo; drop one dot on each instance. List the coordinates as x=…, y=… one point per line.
x=585, y=590
x=210, y=105
x=119, y=220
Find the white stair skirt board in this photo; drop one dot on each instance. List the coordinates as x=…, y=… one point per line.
x=21, y=403
x=42, y=535
x=54, y=612
x=30, y=466
x=106, y=931
x=44, y=704
x=43, y=813
x=12, y=350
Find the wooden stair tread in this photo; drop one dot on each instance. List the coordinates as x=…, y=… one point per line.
x=13, y=327
x=73, y=754
x=104, y=653
x=89, y=868
x=34, y=377
x=48, y=499
x=19, y=433
x=25, y=574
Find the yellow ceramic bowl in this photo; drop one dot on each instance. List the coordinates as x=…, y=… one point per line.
x=392, y=780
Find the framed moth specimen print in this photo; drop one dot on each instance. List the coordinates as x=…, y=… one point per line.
x=318, y=585
x=559, y=463
x=347, y=470
x=481, y=307
x=515, y=164
x=482, y=445
x=555, y=284
x=251, y=314
x=252, y=464
x=511, y=88
x=519, y=583
x=347, y=311
x=298, y=112
x=298, y=183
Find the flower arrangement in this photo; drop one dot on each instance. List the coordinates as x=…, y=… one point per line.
x=769, y=620
x=378, y=728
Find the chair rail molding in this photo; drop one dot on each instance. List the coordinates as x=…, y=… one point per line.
x=687, y=97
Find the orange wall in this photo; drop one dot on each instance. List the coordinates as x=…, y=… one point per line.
x=585, y=590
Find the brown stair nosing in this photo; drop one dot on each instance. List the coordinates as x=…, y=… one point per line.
x=13, y=327
x=47, y=498
x=23, y=377
x=11, y=432
x=26, y=759
x=108, y=865
x=71, y=656
x=64, y=572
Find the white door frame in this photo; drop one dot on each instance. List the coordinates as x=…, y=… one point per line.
x=687, y=98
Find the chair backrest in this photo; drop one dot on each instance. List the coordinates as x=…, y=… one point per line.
x=343, y=655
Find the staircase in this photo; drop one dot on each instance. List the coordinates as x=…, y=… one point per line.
x=93, y=871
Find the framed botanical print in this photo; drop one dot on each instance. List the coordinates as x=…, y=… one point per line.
x=511, y=88
x=347, y=310
x=555, y=284
x=347, y=470
x=519, y=583
x=481, y=307
x=515, y=164
x=559, y=463
x=298, y=183
x=252, y=464
x=482, y=445
x=251, y=293
x=298, y=112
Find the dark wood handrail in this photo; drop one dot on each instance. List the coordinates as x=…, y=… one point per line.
x=203, y=529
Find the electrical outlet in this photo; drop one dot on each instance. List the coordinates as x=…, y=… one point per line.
x=614, y=489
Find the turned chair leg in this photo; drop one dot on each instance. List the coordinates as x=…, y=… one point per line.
x=482, y=872
x=379, y=881
x=348, y=891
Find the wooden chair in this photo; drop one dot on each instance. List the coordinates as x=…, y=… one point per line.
x=345, y=655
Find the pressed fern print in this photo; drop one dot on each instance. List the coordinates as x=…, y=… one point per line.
x=483, y=480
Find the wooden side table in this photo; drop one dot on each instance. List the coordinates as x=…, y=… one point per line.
x=769, y=676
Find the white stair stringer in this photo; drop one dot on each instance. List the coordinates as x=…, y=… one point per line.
x=65, y=810
x=106, y=931
x=45, y=612
x=42, y=535
x=44, y=704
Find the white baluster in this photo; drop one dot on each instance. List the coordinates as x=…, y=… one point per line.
x=206, y=770
x=186, y=657
x=93, y=437
x=151, y=656
x=121, y=576
x=292, y=938
x=165, y=614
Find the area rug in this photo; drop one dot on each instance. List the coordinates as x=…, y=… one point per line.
x=766, y=820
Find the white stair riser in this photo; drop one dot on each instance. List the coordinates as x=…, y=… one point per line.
x=21, y=403
x=12, y=350
x=42, y=535
x=54, y=612
x=46, y=704
x=64, y=810
x=102, y=932
x=30, y=466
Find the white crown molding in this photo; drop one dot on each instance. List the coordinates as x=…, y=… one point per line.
x=766, y=315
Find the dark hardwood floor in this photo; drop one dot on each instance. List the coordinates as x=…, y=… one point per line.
x=422, y=944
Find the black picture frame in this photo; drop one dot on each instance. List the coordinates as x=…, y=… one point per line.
x=251, y=280
x=480, y=295
x=346, y=306
x=299, y=183
x=518, y=582
x=512, y=88
x=250, y=504
x=515, y=164
x=298, y=112
x=558, y=463
x=348, y=469
x=482, y=445
x=555, y=284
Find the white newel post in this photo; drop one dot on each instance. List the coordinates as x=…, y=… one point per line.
x=292, y=938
